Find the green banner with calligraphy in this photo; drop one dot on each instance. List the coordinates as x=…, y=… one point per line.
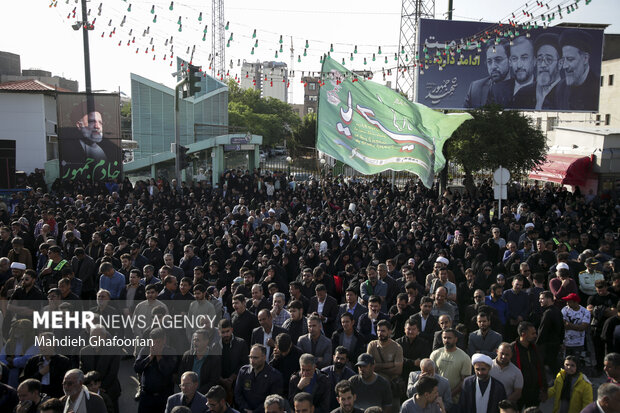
x=372, y=128
x=89, y=136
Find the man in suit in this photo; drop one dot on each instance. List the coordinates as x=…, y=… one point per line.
x=189, y=395
x=267, y=332
x=492, y=89
x=481, y=392
x=445, y=322
x=607, y=399
x=210, y=365
x=326, y=307
x=349, y=337
x=522, y=64
x=427, y=323
x=316, y=343
x=103, y=360
x=48, y=367
x=367, y=325
x=351, y=305
x=77, y=398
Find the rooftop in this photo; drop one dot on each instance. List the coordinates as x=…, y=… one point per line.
x=30, y=86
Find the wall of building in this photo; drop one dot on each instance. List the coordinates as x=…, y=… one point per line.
x=22, y=118
x=153, y=115
x=10, y=64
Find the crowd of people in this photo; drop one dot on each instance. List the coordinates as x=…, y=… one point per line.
x=338, y=295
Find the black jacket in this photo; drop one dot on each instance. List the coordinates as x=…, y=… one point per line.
x=59, y=365
x=210, y=371
x=321, y=391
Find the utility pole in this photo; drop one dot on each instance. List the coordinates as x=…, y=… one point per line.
x=443, y=175
x=177, y=131
x=90, y=104
x=290, y=92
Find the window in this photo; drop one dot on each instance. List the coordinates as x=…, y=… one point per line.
x=598, y=120
x=602, y=80
x=552, y=122
x=607, y=119
x=610, y=82
x=311, y=86
x=313, y=98
x=538, y=123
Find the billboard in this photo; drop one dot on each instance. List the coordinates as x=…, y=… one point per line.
x=89, y=141
x=466, y=65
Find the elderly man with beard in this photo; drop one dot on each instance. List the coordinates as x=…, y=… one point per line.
x=580, y=89
x=77, y=398
x=86, y=140
x=548, y=65
x=481, y=393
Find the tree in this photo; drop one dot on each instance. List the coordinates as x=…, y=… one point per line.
x=496, y=137
x=305, y=134
x=271, y=118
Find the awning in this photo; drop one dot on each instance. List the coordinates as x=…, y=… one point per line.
x=564, y=169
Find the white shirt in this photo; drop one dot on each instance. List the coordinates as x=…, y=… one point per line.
x=266, y=338
x=574, y=338
x=320, y=307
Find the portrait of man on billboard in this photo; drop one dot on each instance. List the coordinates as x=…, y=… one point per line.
x=580, y=88
x=522, y=65
x=89, y=136
x=87, y=141
x=548, y=66
x=496, y=87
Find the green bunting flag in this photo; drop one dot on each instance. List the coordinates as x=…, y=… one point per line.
x=372, y=128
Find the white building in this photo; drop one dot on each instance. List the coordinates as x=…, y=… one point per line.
x=28, y=116
x=271, y=78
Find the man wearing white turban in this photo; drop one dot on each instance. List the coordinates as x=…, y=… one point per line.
x=481, y=393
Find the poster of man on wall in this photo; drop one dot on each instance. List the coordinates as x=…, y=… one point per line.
x=89, y=136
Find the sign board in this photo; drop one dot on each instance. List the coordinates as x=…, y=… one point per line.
x=500, y=190
x=501, y=176
x=469, y=64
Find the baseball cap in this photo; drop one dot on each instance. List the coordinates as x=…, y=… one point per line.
x=365, y=359
x=571, y=297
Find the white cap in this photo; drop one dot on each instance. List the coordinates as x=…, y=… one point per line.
x=271, y=211
x=19, y=266
x=529, y=225
x=481, y=358
x=562, y=266
x=443, y=260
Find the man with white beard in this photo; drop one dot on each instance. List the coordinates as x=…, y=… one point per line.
x=548, y=65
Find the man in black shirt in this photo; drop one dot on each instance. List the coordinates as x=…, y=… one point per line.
x=285, y=359
x=601, y=306
x=156, y=366
x=346, y=398
x=243, y=322
x=527, y=359
x=297, y=325
x=415, y=348
x=234, y=356
x=550, y=332
x=26, y=296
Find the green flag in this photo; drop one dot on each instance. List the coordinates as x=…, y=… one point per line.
x=372, y=128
